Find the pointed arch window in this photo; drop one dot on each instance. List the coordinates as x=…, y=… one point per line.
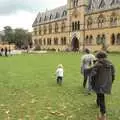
x=113, y=39
x=63, y=26
x=101, y=20
x=40, y=19
x=56, y=27
x=75, y=3
x=40, y=41
x=86, y=40
x=89, y=22
x=64, y=13
x=49, y=41
x=45, y=29
x=45, y=19
x=90, y=39
x=98, y=40
x=39, y=30
x=102, y=4
x=44, y=41
x=35, y=31
x=118, y=39
x=57, y=15
x=51, y=17
x=50, y=28
x=113, y=19
x=55, y=41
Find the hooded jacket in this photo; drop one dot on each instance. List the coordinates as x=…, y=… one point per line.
x=102, y=76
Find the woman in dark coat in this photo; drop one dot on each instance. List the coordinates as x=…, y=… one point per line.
x=102, y=77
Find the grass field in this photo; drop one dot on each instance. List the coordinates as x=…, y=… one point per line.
x=28, y=89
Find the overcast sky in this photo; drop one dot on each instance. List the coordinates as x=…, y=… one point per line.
x=22, y=13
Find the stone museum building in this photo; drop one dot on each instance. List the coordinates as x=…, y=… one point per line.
x=79, y=24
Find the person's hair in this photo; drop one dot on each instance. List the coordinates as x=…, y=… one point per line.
x=60, y=66
x=101, y=54
x=87, y=51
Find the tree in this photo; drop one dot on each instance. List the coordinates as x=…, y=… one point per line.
x=9, y=35
x=20, y=37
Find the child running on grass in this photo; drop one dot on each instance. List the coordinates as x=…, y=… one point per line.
x=59, y=74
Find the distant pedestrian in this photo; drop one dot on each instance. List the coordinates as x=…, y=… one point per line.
x=2, y=51
x=6, y=52
x=59, y=74
x=87, y=61
x=103, y=75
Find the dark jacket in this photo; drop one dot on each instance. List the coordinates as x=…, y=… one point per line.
x=102, y=76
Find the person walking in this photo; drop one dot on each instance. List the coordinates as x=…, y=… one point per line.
x=87, y=61
x=102, y=75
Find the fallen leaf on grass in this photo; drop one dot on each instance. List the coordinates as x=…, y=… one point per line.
x=7, y=112
x=46, y=117
x=2, y=105
x=49, y=108
x=33, y=101
x=57, y=113
x=69, y=117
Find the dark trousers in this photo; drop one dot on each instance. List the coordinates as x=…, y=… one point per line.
x=59, y=80
x=85, y=78
x=101, y=102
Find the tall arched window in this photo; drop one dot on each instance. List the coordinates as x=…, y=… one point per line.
x=98, y=40
x=101, y=21
x=118, y=39
x=113, y=19
x=51, y=17
x=63, y=26
x=45, y=18
x=35, y=31
x=78, y=25
x=73, y=26
x=89, y=22
x=45, y=29
x=103, y=41
x=55, y=41
x=39, y=30
x=49, y=41
x=75, y=3
x=50, y=28
x=90, y=39
x=56, y=27
x=40, y=41
x=86, y=40
x=44, y=41
x=113, y=39
x=64, y=13
x=57, y=15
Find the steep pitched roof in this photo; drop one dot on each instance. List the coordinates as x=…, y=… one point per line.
x=52, y=15
x=102, y=4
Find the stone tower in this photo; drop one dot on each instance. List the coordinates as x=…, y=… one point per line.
x=76, y=11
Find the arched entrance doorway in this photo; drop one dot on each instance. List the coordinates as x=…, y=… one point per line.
x=75, y=44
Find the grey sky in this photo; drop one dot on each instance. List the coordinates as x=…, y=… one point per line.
x=22, y=13
x=12, y=6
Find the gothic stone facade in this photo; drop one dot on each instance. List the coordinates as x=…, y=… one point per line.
x=79, y=24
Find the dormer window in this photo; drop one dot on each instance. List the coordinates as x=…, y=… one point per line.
x=64, y=13
x=45, y=18
x=51, y=17
x=57, y=15
x=40, y=19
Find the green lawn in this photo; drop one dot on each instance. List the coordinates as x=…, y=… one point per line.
x=28, y=89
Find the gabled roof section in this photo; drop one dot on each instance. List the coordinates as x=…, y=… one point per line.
x=51, y=15
x=94, y=5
